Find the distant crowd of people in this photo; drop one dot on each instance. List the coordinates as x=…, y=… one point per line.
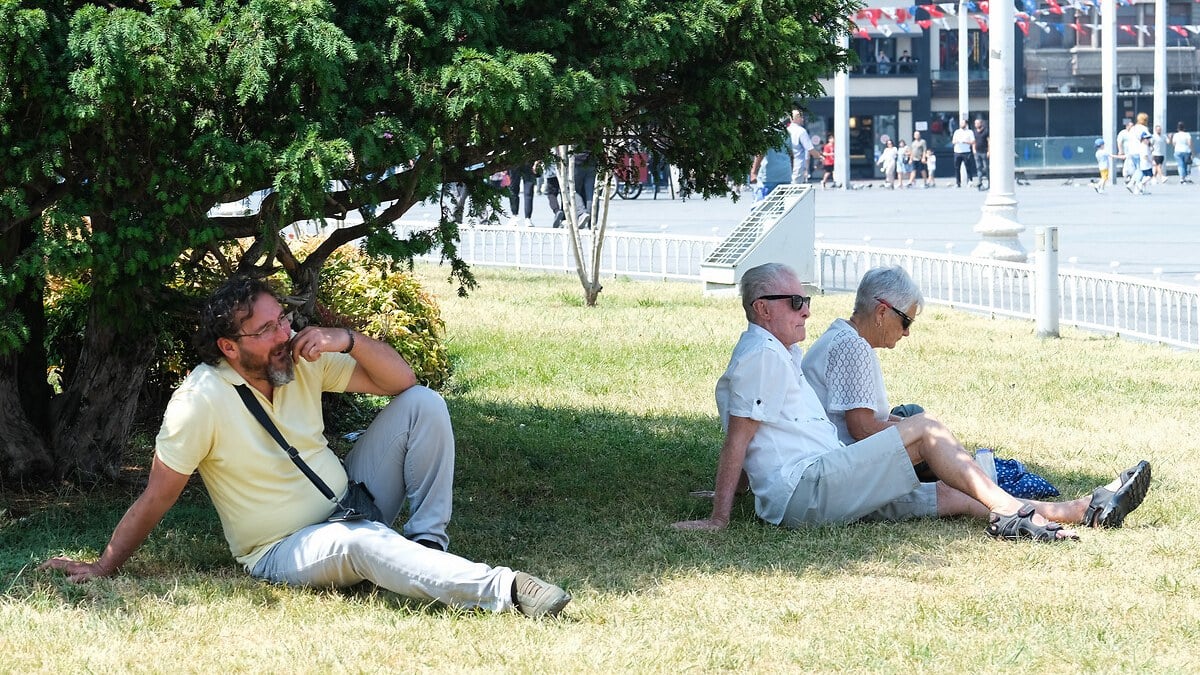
x=1143, y=155
x=902, y=164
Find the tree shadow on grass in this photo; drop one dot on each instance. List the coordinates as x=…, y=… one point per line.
x=584, y=498
x=588, y=497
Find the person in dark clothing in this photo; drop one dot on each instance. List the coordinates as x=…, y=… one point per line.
x=981, y=153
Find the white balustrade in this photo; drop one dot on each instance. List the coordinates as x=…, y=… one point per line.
x=1108, y=303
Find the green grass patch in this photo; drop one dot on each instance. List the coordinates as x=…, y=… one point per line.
x=580, y=433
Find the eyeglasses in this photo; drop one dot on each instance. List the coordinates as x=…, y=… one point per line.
x=271, y=327
x=798, y=301
x=905, y=320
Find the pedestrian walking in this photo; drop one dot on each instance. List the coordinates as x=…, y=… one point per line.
x=981, y=153
x=1158, y=153
x=964, y=148
x=1102, y=160
x=887, y=163
x=1181, y=141
x=917, y=149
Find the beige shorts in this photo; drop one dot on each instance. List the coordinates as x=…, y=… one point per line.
x=872, y=479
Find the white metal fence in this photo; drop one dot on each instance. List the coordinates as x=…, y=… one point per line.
x=651, y=256
x=1109, y=303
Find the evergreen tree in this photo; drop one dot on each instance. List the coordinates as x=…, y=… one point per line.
x=124, y=123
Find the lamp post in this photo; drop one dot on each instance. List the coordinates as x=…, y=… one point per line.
x=998, y=226
x=841, y=122
x=964, y=106
x=1160, y=65
x=1108, y=81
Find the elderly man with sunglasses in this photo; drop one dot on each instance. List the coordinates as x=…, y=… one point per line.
x=260, y=388
x=780, y=443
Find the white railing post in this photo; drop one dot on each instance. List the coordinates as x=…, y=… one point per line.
x=1045, y=298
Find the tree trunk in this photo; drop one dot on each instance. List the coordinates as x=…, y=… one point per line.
x=24, y=393
x=23, y=451
x=95, y=413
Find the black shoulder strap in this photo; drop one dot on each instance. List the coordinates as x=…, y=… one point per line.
x=256, y=409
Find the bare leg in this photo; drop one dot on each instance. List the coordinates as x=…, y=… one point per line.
x=928, y=440
x=951, y=502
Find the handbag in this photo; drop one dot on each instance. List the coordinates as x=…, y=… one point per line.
x=358, y=504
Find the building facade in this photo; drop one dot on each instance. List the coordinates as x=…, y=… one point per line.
x=907, y=78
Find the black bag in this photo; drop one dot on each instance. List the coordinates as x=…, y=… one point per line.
x=358, y=504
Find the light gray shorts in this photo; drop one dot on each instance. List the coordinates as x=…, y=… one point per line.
x=872, y=479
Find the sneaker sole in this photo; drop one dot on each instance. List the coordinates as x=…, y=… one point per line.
x=1127, y=498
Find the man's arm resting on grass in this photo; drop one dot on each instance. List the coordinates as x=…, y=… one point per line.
x=729, y=474
x=160, y=495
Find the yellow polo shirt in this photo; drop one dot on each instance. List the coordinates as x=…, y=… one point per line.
x=260, y=495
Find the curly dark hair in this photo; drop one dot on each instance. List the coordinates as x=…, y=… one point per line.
x=223, y=312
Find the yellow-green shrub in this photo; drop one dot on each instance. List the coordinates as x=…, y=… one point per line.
x=386, y=304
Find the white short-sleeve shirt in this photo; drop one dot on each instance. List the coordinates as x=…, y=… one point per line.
x=845, y=374
x=764, y=382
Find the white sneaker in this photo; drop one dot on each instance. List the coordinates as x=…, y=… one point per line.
x=515, y=221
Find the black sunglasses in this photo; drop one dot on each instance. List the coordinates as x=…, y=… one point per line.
x=905, y=320
x=798, y=301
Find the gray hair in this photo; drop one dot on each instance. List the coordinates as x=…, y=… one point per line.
x=759, y=281
x=887, y=283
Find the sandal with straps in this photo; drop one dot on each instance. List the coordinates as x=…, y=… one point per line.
x=1109, y=508
x=1020, y=525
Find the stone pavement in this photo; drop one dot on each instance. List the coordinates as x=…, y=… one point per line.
x=1157, y=235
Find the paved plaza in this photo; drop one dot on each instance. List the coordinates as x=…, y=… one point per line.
x=1152, y=235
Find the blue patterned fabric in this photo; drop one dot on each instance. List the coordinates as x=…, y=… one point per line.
x=1016, y=481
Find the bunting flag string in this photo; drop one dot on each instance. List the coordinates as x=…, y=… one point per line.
x=937, y=13
x=982, y=21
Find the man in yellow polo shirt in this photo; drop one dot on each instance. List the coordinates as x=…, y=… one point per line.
x=274, y=518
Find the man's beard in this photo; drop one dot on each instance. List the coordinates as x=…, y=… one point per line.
x=281, y=376
x=277, y=375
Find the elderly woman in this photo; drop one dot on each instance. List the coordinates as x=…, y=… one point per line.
x=841, y=365
x=844, y=371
